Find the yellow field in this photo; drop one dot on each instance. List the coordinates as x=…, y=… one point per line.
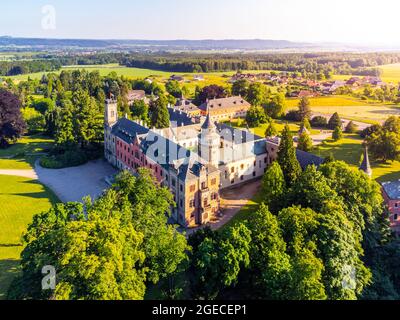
x=391, y=73
x=349, y=108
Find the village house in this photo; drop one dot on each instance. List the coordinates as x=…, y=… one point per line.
x=134, y=95
x=176, y=78
x=187, y=107
x=225, y=108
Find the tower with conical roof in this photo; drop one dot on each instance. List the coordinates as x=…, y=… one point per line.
x=209, y=141
x=365, y=165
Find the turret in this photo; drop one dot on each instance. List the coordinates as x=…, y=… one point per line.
x=110, y=112
x=209, y=141
x=365, y=165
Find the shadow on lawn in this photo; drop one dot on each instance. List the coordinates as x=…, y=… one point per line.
x=8, y=271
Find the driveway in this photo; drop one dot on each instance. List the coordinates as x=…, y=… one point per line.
x=72, y=184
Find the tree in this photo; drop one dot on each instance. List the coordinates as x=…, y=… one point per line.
x=12, y=125
x=305, y=142
x=34, y=120
x=140, y=111
x=240, y=87
x=257, y=94
x=173, y=88
x=305, y=123
x=255, y=116
x=217, y=259
x=209, y=92
x=94, y=248
x=304, y=108
x=150, y=204
x=273, y=187
x=159, y=113
x=351, y=127
x=287, y=157
x=298, y=225
x=334, y=121
x=269, y=269
x=275, y=108
x=337, y=134
x=271, y=130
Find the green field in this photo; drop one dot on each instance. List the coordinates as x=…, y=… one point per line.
x=23, y=154
x=349, y=149
x=21, y=198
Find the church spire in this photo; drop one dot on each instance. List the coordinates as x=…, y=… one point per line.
x=365, y=165
x=208, y=124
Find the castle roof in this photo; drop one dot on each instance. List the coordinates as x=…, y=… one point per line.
x=306, y=159
x=392, y=189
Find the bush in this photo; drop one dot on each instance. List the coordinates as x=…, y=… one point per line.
x=367, y=132
x=70, y=158
x=319, y=122
x=351, y=127
x=337, y=134
x=293, y=115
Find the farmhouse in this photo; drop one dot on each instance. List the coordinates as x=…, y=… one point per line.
x=225, y=108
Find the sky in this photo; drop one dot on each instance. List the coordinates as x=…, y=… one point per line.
x=345, y=21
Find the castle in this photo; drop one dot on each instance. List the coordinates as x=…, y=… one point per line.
x=194, y=160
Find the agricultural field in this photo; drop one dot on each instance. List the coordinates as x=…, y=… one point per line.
x=390, y=73
x=21, y=199
x=279, y=125
x=349, y=108
x=24, y=153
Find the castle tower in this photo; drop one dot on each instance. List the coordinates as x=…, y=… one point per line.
x=110, y=112
x=365, y=165
x=209, y=141
x=110, y=119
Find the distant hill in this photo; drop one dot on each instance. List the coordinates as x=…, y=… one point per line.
x=255, y=44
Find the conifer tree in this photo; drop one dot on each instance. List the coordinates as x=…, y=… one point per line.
x=287, y=157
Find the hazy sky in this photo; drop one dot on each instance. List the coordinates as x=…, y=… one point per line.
x=356, y=21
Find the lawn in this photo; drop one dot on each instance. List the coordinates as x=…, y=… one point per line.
x=349, y=149
x=23, y=154
x=21, y=198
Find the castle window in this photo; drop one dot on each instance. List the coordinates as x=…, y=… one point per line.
x=192, y=188
x=395, y=217
x=242, y=178
x=203, y=185
x=181, y=203
x=265, y=160
x=255, y=163
x=233, y=169
x=254, y=173
x=232, y=181
x=173, y=182
x=191, y=203
x=226, y=174
x=214, y=182
x=181, y=187
x=242, y=166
